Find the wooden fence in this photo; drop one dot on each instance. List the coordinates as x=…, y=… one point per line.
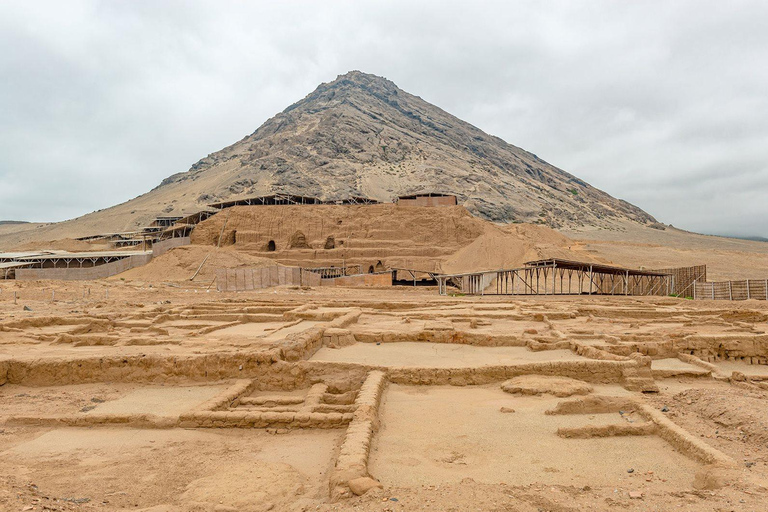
x=732, y=290
x=684, y=277
x=246, y=279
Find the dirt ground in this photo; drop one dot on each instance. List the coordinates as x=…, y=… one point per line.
x=167, y=398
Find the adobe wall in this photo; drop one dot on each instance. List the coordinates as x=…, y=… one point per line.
x=84, y=274
x=378, y=279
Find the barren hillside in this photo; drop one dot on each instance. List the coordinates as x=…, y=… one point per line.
x=362, y=135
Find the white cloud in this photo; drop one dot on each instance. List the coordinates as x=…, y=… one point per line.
x=659, y=103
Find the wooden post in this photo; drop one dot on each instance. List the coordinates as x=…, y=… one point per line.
x=748, y=295
x=694, y=289
x=590, y=279
x=554, y=277
x=730, y=290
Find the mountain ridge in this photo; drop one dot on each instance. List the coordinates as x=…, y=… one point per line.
x=362, y=135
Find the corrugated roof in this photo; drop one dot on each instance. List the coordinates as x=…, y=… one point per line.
x=595, y=267
x=75, y=255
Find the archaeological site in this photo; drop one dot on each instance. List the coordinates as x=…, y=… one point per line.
x=370, y=305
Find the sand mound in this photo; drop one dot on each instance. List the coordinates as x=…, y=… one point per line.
x=180, y=264
x=539, y=384
x=511, y=247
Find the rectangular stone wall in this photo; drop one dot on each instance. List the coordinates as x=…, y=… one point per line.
x=246, y=279
x=83, y=274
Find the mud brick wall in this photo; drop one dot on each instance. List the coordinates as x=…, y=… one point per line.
x=378, y=279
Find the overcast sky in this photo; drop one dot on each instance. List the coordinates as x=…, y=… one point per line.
x=663, y=104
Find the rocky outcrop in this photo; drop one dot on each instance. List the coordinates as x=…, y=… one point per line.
x=361, y=135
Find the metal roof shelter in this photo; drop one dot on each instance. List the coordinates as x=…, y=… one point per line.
x=353, y=200
x=6, y=257
x=595, y=267
x=561, y=277
x=8, y=269
x=77, y=259
x=196, y=218
x=165, y=220
x=267, y=200
x=292, y=199
x=428, y=199
x=426, y=194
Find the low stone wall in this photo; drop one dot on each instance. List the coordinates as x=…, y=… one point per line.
x=163, y=247
x=247, y=279
x=746, y=347
x=351, y=470
x=377, y=279
x=83, y=274
x=656, y=423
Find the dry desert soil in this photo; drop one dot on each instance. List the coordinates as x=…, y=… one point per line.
x=164, y=398
x=154, y=391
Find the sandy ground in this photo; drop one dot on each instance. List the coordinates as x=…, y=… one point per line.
x=442, y=435
x=437, y=355
x=634, y=246
x=438, y=447
x=121, y=469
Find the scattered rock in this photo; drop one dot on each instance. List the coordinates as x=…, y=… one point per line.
x=360, y=486
x=538, y=384
x=630, y=470
x=27, y=308
x=507, y=409
x=635, y=495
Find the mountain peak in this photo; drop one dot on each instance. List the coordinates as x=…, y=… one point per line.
x=361, y=135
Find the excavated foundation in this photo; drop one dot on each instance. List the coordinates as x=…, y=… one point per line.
x=369, y=380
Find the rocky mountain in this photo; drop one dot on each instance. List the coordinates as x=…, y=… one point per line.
x=362, y=135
